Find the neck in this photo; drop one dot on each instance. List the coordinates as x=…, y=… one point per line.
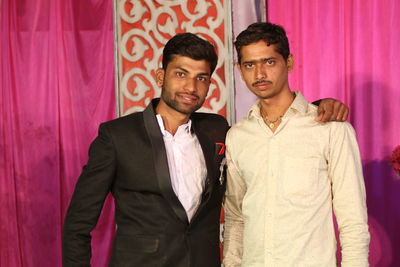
x=276, y=106
x=172, y=119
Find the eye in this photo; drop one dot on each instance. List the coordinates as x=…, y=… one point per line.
x=180, y=74
x=248, y=65
x=270, y=62
x=203, y=78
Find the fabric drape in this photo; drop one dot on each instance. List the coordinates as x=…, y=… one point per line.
x=57, y=85
x=349, y=50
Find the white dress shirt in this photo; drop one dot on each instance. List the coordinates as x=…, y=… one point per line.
x=186, y=164
x=281, y=189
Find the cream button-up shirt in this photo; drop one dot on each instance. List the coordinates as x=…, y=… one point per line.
x=282, y=186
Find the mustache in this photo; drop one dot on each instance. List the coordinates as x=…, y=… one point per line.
x=261, y=82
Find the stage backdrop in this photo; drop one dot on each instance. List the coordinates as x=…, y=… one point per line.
x=143, y=28
x=56, y=86
x=350, y=50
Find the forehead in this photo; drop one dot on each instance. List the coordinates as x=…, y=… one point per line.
x=258, y=50
x=189, y=64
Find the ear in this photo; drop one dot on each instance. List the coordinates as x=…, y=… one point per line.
x=160, y=73
x=290, y=63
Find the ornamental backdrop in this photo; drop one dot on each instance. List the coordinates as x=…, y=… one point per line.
x=142, y=29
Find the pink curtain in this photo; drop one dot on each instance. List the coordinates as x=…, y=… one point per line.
x=350, y=50
x=57, y=85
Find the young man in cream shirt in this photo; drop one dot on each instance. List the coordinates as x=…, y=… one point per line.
x=286, y=171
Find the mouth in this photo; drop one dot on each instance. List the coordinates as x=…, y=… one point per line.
x=187, y=98
x=260, y=85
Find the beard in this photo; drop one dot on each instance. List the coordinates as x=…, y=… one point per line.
x=183, y=108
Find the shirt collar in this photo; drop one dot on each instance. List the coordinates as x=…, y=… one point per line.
x=299, y=104
x=184, y=128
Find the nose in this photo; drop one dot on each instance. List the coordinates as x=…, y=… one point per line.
x=260, y=72
x=190, y=85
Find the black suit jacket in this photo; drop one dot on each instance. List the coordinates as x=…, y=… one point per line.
x=128, y=159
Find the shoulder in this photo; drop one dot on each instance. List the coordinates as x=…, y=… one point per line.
x=124, y=119
x=242, y=130
x=311, y=111
x=243, y=125
x=334, y=132
x=209, y=120
x=332, y=126
x=198, y=116
x=213, y=125
x=123, y=122
x=340, y=128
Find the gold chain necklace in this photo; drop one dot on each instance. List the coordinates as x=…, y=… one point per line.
x=270, y=123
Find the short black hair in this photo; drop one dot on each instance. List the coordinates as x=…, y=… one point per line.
x=271, y=33
x=192, y=46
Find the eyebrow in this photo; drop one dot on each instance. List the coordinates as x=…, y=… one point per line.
x=258, y=60
x=198, y=74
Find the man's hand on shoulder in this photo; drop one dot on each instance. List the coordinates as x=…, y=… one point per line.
x=330, y=109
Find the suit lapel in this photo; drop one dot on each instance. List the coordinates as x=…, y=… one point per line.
x=161, y=161
x=208, y=150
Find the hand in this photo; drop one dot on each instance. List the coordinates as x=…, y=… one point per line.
x=332, y=110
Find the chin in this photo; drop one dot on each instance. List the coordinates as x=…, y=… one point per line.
x=263, y=96
x=187, y=110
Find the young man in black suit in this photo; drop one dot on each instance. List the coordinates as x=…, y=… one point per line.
x=163, y=167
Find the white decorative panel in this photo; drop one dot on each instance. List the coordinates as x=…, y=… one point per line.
x=143, y=28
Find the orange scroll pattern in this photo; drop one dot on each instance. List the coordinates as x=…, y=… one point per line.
x=143, y=28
